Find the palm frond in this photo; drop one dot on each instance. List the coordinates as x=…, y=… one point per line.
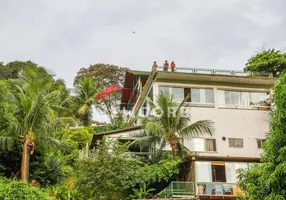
x=198, y=128
x=53, y=143
x=6, y=142
x=183, y=150
x=147, y=141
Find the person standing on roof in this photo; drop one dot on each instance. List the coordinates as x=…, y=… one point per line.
x=173, y=66
x=154, y=66
x=166, y=66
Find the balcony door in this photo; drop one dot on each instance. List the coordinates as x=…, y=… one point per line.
x=218, y=172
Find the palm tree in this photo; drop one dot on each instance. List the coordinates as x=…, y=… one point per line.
x=37, y=115
x=85, y=92
x=169, y=124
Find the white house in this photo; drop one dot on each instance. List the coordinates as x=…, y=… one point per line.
x=237, y=103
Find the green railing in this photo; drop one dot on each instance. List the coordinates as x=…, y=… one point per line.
x=218, y=71
x=178, y=189
x=190, y=189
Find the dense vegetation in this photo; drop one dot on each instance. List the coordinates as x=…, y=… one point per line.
x=268, y=180
x=38, y=146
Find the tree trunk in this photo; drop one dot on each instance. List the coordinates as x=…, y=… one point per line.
x=25, y=161
x=173, y=146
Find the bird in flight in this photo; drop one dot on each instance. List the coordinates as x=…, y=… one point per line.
x=133, y=32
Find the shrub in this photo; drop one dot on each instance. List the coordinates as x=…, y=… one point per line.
x=20, y=190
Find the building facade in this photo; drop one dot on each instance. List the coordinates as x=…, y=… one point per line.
x=237, y=103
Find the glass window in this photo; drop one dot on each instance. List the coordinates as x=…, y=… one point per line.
x=198, y=144
x=235, y=142
x=164, y=90
x=210, y=145
x=239, y=98
x=203, y=172
x=231, y=170
x=202, y=96
x=260, y=143
x=178, y=94
x=218, y=172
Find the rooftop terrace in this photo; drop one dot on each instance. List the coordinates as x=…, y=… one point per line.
x=218, y=72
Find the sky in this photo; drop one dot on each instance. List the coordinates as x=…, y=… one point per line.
x=67, y=35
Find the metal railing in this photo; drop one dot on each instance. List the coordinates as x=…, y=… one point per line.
x=178, y=189
x=218, y=72
x=191, y=189
x=217, y=188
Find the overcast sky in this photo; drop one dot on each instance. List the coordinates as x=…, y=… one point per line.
x=65, y=35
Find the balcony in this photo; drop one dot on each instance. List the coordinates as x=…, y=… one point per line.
x=203, y=190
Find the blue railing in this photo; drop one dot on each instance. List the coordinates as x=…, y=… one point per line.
x=217, y=71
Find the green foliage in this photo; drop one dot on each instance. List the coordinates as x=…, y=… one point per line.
x=19, y=190
x=103, y=76
x=110, y=172
x=85, y=95
x=61, y=192
x=12, y=70
x=109, y=127
x=268, y=180
x=142, y=192
x=49, y=169
x=267, y=61
x=162, y=171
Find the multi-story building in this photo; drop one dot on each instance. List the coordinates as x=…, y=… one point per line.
x=237, y=103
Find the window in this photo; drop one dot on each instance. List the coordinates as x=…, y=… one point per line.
x=218, y=172
x=202, y=96
x=201, y=144
x=235, y=142
x=210, y=145
x=178, y=93
x=260, y=143
x=243, y=99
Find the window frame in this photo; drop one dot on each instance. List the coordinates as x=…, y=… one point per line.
x=215, y=146
x=204, y=143
x=235, y=143
x=261, y=141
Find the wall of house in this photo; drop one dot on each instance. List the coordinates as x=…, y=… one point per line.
x=247, y=124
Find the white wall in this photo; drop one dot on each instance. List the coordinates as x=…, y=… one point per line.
x=230, y=123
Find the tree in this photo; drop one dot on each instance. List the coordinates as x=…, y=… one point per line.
x=268, y=180
x=85, y=93
x=108, y=172
x=170, y=123
x=13, y=69
x=36, y=118
x=103, y=76
x=267, y=61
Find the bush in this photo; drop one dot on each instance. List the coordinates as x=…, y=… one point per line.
x=20, y=190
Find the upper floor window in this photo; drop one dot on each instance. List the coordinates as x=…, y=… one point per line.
x=235, y=142
x=199, y=96
x=201, y=144
x=242, y=99
x=260, y=143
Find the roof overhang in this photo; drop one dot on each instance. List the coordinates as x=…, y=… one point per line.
x=99, y=136
x=181, y=77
